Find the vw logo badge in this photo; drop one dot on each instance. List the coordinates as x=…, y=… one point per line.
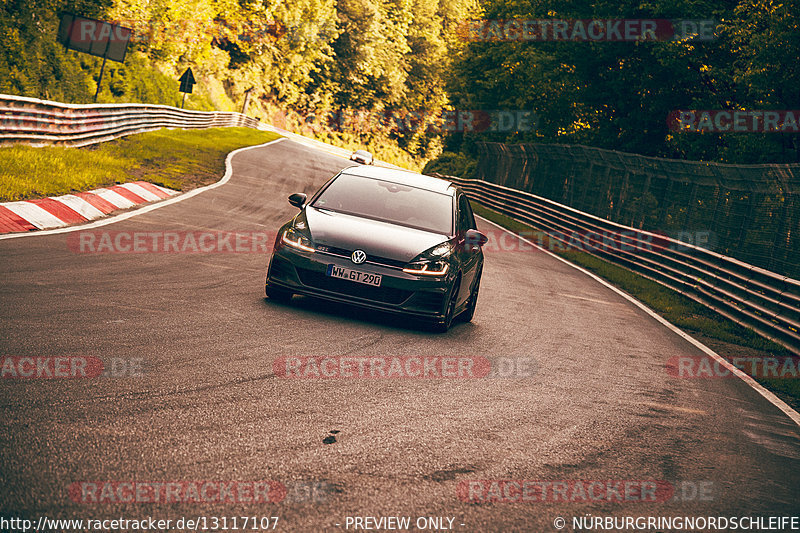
x=358, y=257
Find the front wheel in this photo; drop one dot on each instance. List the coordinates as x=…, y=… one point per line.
x=469, y=312
x=449, y=314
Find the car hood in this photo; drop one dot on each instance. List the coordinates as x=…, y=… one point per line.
x=376, y=238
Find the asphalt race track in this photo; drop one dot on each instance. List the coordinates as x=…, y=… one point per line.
x=598, y=405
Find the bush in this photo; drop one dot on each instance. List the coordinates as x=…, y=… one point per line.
x=453, y=164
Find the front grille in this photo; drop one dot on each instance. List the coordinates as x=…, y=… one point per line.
x=343, y=252
x=379, y=294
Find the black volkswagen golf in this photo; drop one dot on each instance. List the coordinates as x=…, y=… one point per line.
x=383, y=239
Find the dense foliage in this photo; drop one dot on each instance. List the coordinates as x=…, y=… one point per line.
x=388, y=57
x=617, y=95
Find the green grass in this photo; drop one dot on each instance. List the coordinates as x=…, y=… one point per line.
x=719, y=333
x=178, y=159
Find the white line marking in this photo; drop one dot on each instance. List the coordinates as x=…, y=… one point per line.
x=76, y=203
x=145, y=209
x=35, y=215
x=138, y=190
x=173, y=191
x=114, y=198
x=769, y=396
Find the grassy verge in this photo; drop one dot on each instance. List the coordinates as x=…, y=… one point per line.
x=717, y=332
x=178, y=159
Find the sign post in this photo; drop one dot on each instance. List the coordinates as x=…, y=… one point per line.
x=94, y=37
x=246, y=100
x=100, y=81
x=187, y=80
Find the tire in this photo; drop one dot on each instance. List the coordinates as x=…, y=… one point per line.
x=279, y=295
x=469, y=312
x=449, y=315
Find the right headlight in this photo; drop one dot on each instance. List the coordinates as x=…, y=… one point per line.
x=431, y=262
x=297, y=236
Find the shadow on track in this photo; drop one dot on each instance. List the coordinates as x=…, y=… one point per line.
x=308, y=305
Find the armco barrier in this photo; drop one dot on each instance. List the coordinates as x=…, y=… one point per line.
x=753, y=210
x=41, y=122
x=753, y=297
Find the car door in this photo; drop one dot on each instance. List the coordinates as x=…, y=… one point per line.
x=469, y=255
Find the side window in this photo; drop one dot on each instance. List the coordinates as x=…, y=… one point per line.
x=466, y=220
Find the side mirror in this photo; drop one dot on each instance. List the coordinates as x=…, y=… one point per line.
x=474, y=237
x=298, y=200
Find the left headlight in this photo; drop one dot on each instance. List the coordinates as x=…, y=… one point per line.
x=431, y=262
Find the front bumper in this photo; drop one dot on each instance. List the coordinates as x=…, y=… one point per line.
x=305, y=273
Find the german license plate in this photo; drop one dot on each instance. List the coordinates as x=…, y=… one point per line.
x=354, y=275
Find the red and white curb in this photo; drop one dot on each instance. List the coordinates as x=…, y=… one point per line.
x=58, y=211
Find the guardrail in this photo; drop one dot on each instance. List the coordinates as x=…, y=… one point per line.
x=42, y=122
x=759, y=299
x=753, y=210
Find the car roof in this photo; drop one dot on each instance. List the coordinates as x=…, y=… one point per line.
x=402, y=177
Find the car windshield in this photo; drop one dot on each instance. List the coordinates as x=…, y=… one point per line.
x=389, y=202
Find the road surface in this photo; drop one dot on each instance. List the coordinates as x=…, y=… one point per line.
x=206, y=405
